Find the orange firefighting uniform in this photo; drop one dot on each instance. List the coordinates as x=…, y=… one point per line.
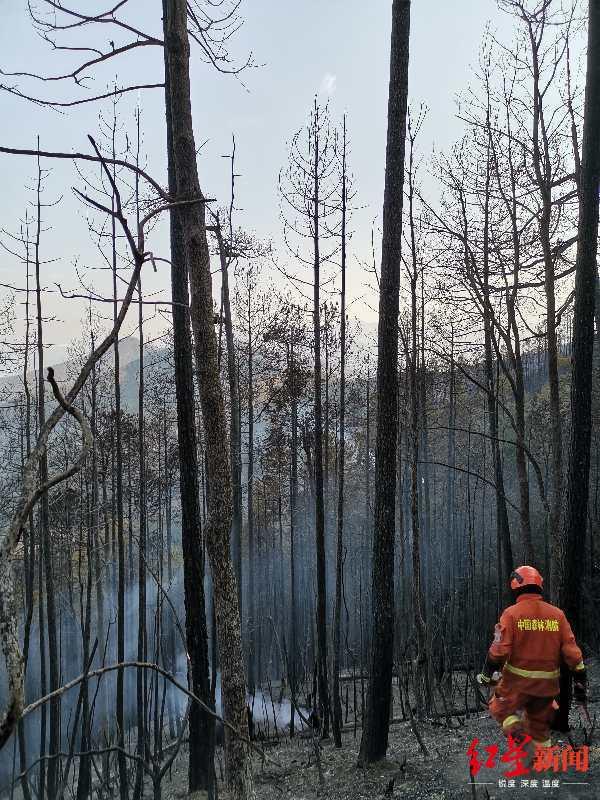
x=529, y=641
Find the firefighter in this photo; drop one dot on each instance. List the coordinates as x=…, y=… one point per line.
x=530, y=640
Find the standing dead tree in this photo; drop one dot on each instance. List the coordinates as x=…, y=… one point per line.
x=200, y=764
x=225, y=249
x=374, y=740
x=414, y=268
x=339, y=550
x=308, y=187
x=182, y=156
x=586, y=278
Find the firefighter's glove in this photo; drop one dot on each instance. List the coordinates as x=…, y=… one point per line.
x=580, y=686
x=487, y=680
x=488, y=675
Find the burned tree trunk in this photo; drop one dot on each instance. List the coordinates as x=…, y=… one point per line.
x=200, y=768
x=339, y=561
x=376, y=726
x=417, y=527
x=583, y=332
x=218, y=523
x=44, y=523
x=252, y=561
x=293, y=657
x=235, y=442
x=323, y=687
x=118, y=478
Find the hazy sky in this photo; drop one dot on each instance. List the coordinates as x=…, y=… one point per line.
x=339, y=48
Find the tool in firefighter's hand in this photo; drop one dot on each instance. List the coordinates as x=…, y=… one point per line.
x=489, y=675
x=488, y=680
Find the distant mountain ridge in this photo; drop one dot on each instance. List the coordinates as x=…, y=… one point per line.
x=11, y=385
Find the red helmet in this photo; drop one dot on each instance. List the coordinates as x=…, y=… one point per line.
x=525, y=576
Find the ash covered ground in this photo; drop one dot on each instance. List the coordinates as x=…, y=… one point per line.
x=290, y=769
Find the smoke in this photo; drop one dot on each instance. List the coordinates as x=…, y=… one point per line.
x=164, y=647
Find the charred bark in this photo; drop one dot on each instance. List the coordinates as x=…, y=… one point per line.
x=200, y=766
x=375, y=732
x=583, y=332
x=218, y=523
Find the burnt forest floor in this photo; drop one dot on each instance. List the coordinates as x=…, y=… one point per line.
x=290, y=770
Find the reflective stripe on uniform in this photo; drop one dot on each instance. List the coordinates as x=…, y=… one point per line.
x=510, y=720
x=532, y=673
x=580, y=666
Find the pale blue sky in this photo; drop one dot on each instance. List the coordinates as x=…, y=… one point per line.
x=304, y=46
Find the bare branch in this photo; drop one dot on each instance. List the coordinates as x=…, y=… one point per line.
x=15, y=151
x=90, y=63
x=71, y=103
